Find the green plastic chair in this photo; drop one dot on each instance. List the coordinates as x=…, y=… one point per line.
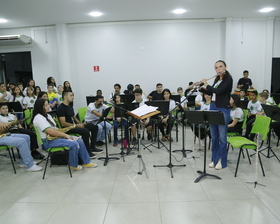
x=261, y=126
x=51, y=151
x=82, y=113
x=9, y=148
x=28, y=113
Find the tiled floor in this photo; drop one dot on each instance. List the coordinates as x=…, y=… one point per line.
x=107, y=194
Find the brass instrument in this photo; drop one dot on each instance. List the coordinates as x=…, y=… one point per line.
x=50, y=138
x=11, y=124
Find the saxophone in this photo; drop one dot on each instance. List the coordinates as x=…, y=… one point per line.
x=50, y=138
x=7, y=128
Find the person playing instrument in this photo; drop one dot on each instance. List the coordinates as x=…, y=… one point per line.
x=253, y=105
x=6, y=117
x=46, y=126
x=118, y=120
x=156, y=94
x=236, y=114
x=147, y=123
x=29, y=99
x=245, y=83
x=94, y=113
x=65, y=113
x=221, y=90
x=21, y=142
x=169, y=120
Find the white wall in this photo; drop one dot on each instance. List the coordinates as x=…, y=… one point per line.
x=170, y=52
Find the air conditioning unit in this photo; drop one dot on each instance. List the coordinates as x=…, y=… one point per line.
x=15, y=39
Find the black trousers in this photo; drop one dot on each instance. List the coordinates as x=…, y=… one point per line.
x=32, y=135
x=276, y=127
x=88, y=132
x=170, y=123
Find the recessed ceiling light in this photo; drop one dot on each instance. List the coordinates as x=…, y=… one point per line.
x=179, y=11
x=3, y=20
x=96, y=14
x=266, y=10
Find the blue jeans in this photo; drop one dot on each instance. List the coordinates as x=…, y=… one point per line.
x=116, y=125
x=219, y=137
x=101, y=135
x=22, y=143
x=77, y=149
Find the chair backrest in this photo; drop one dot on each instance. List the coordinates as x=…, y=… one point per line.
x=38, y=135
x=245, y=112
x=28, y=113
x=261, y=125
x=82, y=113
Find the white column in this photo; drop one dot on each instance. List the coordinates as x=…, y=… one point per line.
x=63, y=63
x=269, y=34
x=228, y=43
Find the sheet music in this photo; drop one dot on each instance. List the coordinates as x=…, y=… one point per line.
x=143, y=110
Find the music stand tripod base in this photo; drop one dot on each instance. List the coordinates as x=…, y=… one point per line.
x=106, y=159
x=141, y=162
x=203, y=174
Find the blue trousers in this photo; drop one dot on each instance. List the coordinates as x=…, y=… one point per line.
x=219, y=137
x=77, y=149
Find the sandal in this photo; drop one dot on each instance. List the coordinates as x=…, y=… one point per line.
x=163, y=139
x=169, y=138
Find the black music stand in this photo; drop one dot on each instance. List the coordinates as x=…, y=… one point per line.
x=103, y=119
x=276, y=97
x=274, y=113
x=128, y=98
x=90, y=99
x=205, y=117
x=176, y=98
x=163, y=107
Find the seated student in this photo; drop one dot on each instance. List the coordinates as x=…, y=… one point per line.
x=118, y=120
x=5, y=96
x=52, y=97
x=67, y=86
x=156, y=94
x=147, y=123
x=17, y=96
x=243, y=99
x=37, y=90
x=236, y=115
x=253, y=105
x=44, y=95
x=21, y=142
x=183, y=99
x=51, y=81
x=117, y=90
x=190, y=90
x=66, y=115
x=260, y=112
x=129, y=90
x=99, y=92
x=29, y=99
x=11, y=87
x=169, y=120
x=269, y=99
x=136, y=86
x=31, y=84
x=46, y=126
x=20, y=86
x=6, y=117
x=245, y=83
x=204, y=105
x=59, y=94
x=93, y=114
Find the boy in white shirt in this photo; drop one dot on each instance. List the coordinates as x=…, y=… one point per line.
x=5, y=96
x=253, y=105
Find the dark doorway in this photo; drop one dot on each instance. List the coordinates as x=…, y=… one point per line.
x=16, y=67
x=275, y=75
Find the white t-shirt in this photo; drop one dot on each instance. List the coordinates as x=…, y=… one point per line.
x=204, y=106
x=90, y=117
x=8, y=118
x=237, y=113
x=54, y=89
x=18, y=99
x=253, y=107
x=260, y=108
x=198, y=98
x=7, y=98
x=172, y=104
x=216, y=86
x=59, y=98
x=270, y=101
x=42, y=124
x=183, y=99
x=142, y=102
x=29, y=101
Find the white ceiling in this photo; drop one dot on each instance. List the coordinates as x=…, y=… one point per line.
x=26, y=13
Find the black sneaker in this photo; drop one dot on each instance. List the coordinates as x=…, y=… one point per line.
x=134, y=141
x=91, y=155
x=97, y=151
x=37, y=155
x=100, y=143
x=149, y=136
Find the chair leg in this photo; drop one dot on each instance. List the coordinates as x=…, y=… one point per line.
x=11, y=159
x=68, y=163
x=240, y=150
x=248, y=156
x=47, y=160
x=261, y=164
x=176, y=132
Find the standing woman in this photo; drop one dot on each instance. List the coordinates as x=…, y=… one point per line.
x=46, y=126
x=51, y=80
x=221, y=90
x=67, y=86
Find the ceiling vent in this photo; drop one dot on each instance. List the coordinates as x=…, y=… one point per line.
x=15, y=39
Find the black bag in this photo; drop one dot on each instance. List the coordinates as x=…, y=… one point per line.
x=59, y=158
